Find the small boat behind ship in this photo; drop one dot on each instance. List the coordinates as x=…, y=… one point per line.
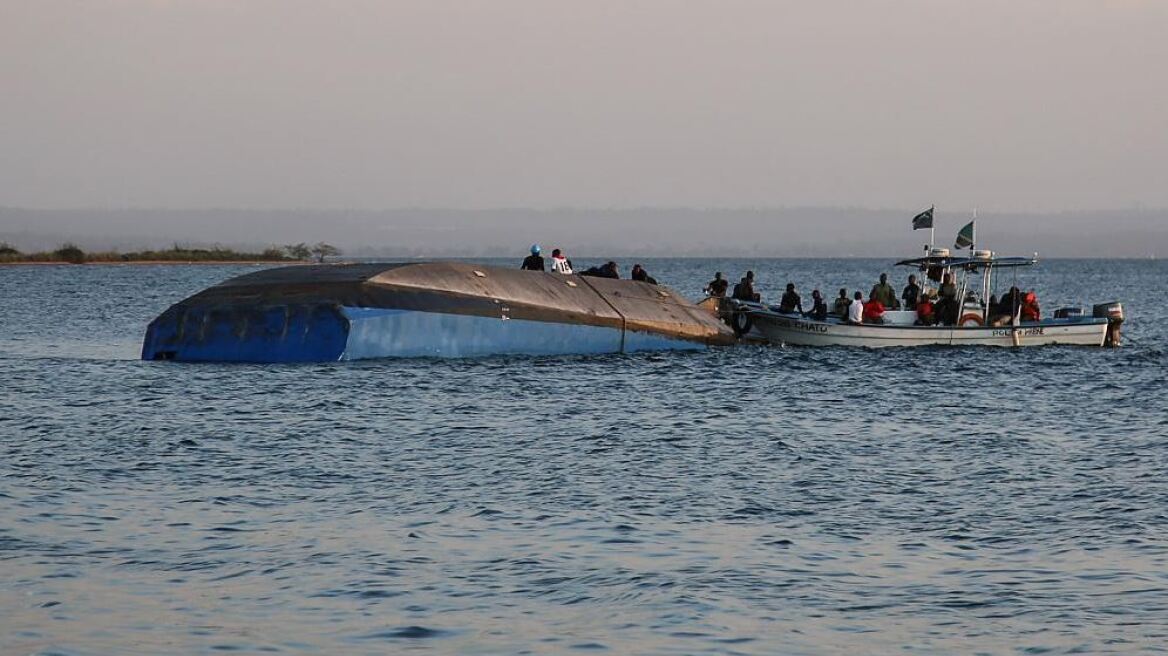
x=974, y=324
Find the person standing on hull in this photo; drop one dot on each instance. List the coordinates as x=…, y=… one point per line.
x=840, y=307
x=883, y=292
x=561, y=264
x=856, y=310
x=912, y=292
x=533, y=262
x=791, y=302
x=744, y=290
x=718, y=286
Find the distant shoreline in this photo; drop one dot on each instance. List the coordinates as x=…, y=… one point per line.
x=72, y=254
x=151, y=262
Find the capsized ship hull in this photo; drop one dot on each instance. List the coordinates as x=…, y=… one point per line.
x=437, y=309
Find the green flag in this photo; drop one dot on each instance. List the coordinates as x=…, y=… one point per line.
x=965, y=237
x=923, y=220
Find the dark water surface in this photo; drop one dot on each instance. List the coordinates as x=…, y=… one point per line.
x=747, y=500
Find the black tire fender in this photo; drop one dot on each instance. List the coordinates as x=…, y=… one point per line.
x=741, y=322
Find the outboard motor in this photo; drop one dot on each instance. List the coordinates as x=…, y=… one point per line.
x=1113, y=312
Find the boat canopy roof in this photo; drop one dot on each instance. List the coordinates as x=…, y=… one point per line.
x=967, y=263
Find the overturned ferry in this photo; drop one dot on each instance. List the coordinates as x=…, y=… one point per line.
x=438, y=309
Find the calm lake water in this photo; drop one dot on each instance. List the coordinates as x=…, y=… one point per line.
x=745, y=500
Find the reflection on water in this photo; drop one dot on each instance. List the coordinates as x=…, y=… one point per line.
x=747, y=500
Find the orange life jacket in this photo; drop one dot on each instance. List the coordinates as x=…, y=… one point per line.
x=1030, y=310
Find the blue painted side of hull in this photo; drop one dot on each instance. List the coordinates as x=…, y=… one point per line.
x=324, y=333
x=285, y=333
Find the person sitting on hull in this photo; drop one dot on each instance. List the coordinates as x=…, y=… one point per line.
x=718, y=286
x=791, y=302
x=925, y=314
x=883, y=292
x=856, y=310
x=744, y=290
x=840, y=307
x=819, y=307
x=911, y=293
x=533, y=262
x=560, y=263
x=640, y=274
x=606, y=270
x=874, y=311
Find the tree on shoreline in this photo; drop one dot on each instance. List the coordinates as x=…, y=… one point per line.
x=70, y=253
x=323, y=250
x=301, y=251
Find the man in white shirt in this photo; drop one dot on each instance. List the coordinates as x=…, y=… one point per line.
x=560, y=264
x=856, y=310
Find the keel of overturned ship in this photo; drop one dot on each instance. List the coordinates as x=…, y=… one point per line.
x=437, y=309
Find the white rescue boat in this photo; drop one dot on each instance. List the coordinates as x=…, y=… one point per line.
x=975, y=324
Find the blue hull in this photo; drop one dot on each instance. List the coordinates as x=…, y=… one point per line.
x=304, y=333
x=323, y=334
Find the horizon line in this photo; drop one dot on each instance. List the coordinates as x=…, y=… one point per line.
x=568, y=208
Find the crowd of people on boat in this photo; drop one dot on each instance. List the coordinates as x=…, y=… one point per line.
x=938, y=306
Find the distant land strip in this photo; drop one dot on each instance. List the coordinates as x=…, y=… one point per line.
x=72, y=254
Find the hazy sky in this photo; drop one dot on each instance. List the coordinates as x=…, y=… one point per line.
x=1008, y=105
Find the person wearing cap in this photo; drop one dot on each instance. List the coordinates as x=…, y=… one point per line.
x=718, y=286
x=533, y=262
